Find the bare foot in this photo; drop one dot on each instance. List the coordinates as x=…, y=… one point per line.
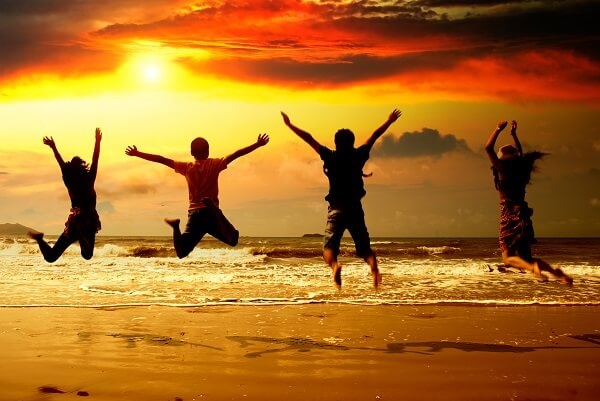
x=336, y=271
x=564, y=278
x=36, y=235
x=376, y=277
x=172, y=222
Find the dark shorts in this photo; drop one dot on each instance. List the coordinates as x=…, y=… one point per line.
x=351, y=218
x=210, y=220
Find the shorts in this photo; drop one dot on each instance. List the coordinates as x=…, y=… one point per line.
x=351, y=218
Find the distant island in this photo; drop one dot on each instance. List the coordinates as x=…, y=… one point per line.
x=13, y=229
x=314, y=235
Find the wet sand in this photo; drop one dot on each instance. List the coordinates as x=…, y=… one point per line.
x=300, y=352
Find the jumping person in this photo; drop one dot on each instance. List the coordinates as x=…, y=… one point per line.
x=512, y=172
x=83, y=222
x=344, y=169
x=204, y=215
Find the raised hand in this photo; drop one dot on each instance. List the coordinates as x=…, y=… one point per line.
x=98, y=134
x=286, y=119
x=49, y=141
x=501, y=125
x=262, y=139
x=394, y=115
x=513, y=127
x=132, y=151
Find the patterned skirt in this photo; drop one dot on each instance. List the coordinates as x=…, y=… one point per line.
x=516, y=228
x=82, y=223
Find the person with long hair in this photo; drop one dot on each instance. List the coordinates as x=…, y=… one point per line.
x=344, y=170
x=512, y=173
x=83, y=222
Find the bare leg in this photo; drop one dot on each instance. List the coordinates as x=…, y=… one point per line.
x=50, y=254
x=330, y=257
x=522, y=264
x=372, y=262
x=558, y=273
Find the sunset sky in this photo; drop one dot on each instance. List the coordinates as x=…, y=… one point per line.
x=158, y=73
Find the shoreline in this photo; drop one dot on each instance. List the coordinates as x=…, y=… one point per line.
x=301, y=352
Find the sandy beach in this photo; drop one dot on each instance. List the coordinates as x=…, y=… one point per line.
x=300, y=352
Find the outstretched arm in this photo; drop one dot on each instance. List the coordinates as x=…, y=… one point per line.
x=394, y=115
x=96, y=155
x=49, y=141
x=262, y=140
x=305, y=136
x=133, y=151
x=513, y=133
x=491, y=143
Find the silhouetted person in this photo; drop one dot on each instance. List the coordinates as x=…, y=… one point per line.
x=83, y=222
x=344, y=169
x=204, y=215
x=512, y=172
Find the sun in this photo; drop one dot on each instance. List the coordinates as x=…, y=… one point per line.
x=151, y=72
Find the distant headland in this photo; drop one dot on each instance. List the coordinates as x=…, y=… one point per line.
x=313, y=235
x=13, y=229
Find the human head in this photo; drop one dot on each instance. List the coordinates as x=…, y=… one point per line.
x=344, y=139
x=507, y=152
x=75, y=170
x=199, y=148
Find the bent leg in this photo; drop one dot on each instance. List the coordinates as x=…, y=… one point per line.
x=556, y=272
x=331, y=243
x=51, y=253
x=184, y=242
x=86, y=243
x=362, y=244
x=521, y=264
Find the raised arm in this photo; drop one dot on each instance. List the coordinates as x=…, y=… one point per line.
x=305, y=136
x=394, y=115
x=133, y=151
x=513, y=133
x=491, y=143
x=262, y=140
x=96, y=155
x=49, y=141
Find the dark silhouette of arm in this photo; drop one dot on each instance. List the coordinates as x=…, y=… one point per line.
x=262, y=140
x=133, y=151
x=49, y=141
x=491, y=143
x=513, y=133
x=394, y=115
x=305, y=136
x=96, y=155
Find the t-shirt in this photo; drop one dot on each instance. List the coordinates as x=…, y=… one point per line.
x=202, y=178
x=344, y=171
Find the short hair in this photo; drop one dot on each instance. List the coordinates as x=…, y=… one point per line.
x=199, y=148
x=344, y=139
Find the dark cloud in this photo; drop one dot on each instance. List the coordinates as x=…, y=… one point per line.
x=427, y=142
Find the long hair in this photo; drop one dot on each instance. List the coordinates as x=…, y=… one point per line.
x=76, y=172
x=519, y=169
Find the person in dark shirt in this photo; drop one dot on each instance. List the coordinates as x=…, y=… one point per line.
x=344, y=170
x=83, y=222
x=512, y=172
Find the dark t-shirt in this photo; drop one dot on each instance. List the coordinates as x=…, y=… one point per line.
x=344, y=171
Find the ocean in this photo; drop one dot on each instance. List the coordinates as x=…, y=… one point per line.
x=263, y=271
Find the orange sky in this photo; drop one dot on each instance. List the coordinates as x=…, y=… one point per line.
x=158, y=73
